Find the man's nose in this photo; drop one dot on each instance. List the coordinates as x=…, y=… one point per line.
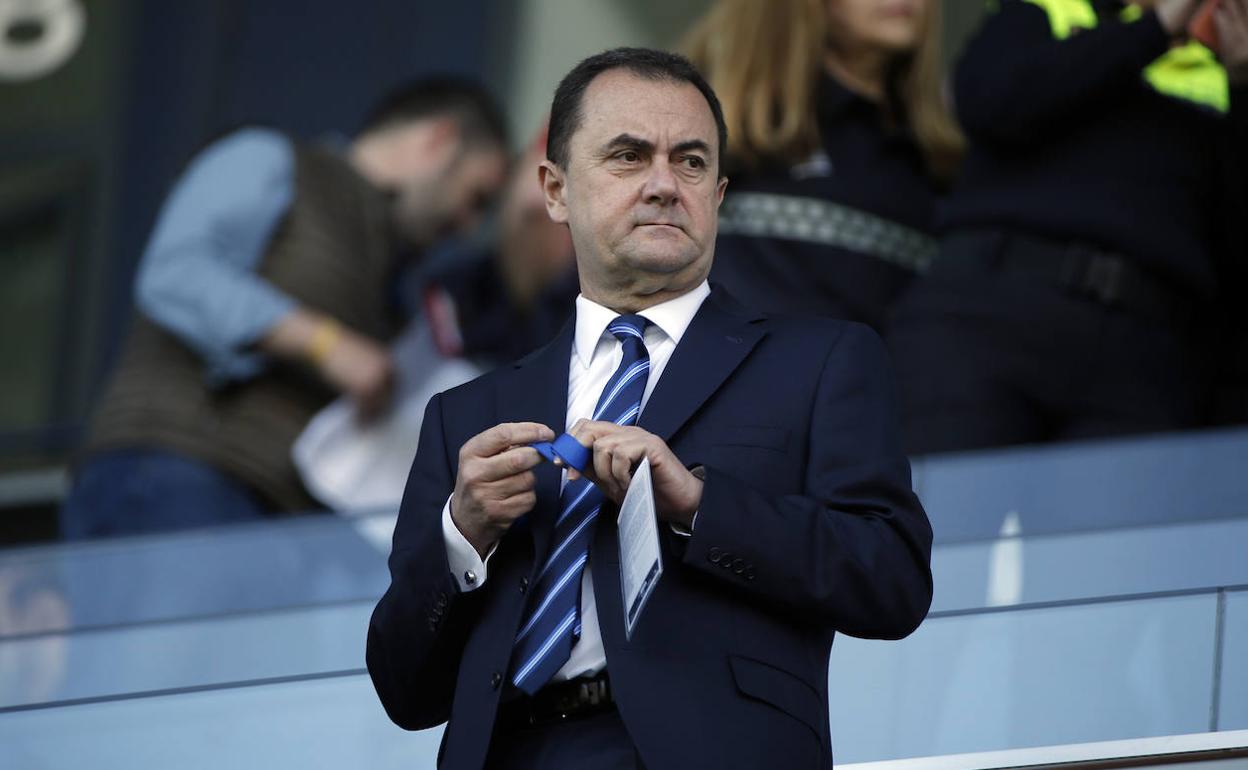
x=661, y=187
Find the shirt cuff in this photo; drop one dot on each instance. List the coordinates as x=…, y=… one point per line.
x=466, y=564
x=700, y=472
x=678, y=529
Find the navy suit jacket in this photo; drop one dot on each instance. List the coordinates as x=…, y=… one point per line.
x=807, y=526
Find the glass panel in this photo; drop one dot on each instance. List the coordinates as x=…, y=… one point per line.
x=245, y=568
x=1089, y=565
x=1084, y=486
x=1012, y=679
x=1022, y=678
x=325, y=723
x=1233, y=701
x=165, y=656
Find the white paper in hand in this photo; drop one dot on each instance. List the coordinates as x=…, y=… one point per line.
x=640, y=561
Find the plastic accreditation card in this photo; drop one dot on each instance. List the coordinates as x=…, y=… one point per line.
x=641, y=562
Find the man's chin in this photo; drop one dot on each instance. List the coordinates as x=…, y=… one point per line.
x=658, y=260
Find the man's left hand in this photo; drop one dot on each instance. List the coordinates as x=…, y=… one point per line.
x=617, y=450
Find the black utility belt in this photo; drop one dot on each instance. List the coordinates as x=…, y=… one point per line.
x=1078, y=269
x=558, y=702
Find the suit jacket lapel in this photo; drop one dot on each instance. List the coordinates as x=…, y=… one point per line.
x=721, y=335
x=535, y=389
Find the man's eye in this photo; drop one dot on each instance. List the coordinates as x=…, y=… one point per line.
x=629, y=156
x=695, y=162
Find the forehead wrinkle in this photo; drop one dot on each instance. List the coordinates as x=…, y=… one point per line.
x=650, y=137
x=612, y=101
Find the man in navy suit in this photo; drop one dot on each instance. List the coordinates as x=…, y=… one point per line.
x=784, y=497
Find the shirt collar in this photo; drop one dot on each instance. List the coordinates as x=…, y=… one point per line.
x=671, y=317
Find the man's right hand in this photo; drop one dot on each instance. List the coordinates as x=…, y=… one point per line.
x=353, y=364
x=496, y=485
x=362, y=370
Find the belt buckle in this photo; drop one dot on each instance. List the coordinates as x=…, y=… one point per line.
x=584, y=698
x=593, y=693
x=1103, y=278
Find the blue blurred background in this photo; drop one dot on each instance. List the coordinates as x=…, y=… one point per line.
x=1085, y=592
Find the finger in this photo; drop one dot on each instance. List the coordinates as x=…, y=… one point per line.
x=514, y=507
x=511, y=485
x=501, y=514
x=622, y=467
x=589, y=431
x=602, y=470
x=508, y=463
x=492, y=493
x=508, y=434
x=587, y=472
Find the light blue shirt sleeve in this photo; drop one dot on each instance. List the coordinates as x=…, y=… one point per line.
x=197, y=278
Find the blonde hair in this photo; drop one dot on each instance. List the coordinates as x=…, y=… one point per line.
x=764, y=61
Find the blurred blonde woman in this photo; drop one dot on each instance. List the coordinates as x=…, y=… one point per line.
x=839, y=144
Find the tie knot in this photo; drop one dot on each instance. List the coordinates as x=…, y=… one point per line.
x=626, y=326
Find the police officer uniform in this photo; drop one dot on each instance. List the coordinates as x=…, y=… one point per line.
x=839, y=234
x=1100, y=208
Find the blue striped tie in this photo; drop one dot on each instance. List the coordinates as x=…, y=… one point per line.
x=553, y=623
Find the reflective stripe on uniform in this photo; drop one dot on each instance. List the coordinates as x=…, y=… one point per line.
x=814, y=220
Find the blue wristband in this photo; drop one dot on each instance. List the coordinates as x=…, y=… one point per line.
x=572, y=453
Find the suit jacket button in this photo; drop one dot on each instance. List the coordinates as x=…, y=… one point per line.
x=749, y=573
x=738, y=566
x=496, y=679
x=441, y=599
x=524, y=584
x=715, y=554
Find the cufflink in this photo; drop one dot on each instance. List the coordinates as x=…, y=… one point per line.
x=470, y=577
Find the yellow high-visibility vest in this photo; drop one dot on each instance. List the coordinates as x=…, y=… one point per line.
x=1190, y=72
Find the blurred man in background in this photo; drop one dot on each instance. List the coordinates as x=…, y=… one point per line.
x=1098, y=222
x=266, y=289
x=513, y=295
x=489, y=304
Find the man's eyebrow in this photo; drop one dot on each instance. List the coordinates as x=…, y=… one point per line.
x=630, y=141
x=692, y=145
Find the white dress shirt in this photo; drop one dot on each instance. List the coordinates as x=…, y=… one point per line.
x=595, y=356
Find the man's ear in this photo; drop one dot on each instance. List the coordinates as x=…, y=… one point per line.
x=554, y=188
x=720, y=187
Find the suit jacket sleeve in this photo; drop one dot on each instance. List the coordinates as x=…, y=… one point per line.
x=419, y=626
x=853, y=550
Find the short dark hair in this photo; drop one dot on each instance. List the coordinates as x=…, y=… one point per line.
x=565, y=110
x=480, y=120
